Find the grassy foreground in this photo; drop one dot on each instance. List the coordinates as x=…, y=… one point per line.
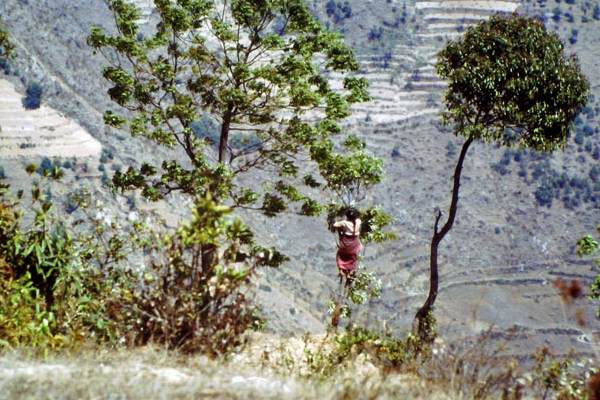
x=267, y=368
x=310, y=367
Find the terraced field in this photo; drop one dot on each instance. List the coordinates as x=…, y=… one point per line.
x=448, y=19
x=40, y=132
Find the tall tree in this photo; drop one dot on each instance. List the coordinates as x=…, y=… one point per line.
x=261, y=70
x=510, y=83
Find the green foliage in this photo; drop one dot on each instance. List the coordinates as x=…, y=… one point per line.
x=33, y=96
x=350, y=173
x=562, y=378
x=6, y=50
x=6, y=47
x=50, y=295
x=181, y=293
x=374, y=223
x=361, y=288
x=261, y=70
x=383, y=349
x=23, y=316
x=192, y=303
x=588, y=246
x=365, y=286
x=259, y=74
x=39, y=251
x=510, y=73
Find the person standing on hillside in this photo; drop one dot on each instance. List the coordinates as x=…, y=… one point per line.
x=349, y=245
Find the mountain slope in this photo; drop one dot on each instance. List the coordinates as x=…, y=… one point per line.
x=500, y=260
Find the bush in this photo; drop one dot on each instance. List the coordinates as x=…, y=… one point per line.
x=500, y=168
x=33, y=98
x=5, y=65
x=383, y=349
x=579, y=137
x=573, y=37
x=338, y=11
x=556, y=14
x=106, y=156
x=569, y=17
x=23, y=316
x=192, y=302
x=48, y=298
x=45, y=166
x=376, y=33
x=545, y=194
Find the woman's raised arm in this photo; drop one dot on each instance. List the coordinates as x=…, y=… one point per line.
x=357, y=225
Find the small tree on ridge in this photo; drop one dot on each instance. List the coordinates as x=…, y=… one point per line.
x=510, y=83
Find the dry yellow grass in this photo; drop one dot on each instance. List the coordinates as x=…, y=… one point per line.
x=268, y=368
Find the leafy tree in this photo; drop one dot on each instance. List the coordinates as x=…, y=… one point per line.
x=33, y=96
x=230, y=62
x=510, y=83
x=259, y=69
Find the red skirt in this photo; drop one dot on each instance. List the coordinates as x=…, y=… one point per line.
x=347, y=254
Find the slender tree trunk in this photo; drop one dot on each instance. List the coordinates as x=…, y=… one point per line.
x=224, y=137
x=209, y=252
x=423, y=322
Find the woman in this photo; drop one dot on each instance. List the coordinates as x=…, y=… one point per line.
x=349, y=246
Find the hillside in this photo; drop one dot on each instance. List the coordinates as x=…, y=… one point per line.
x=511, y=240
x=40, y=132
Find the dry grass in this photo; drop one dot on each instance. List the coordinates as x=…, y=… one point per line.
x=270, y=367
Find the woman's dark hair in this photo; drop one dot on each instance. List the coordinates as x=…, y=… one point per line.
x=352, y=214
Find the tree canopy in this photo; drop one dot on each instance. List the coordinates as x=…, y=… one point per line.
x=258, y=67
x=511, y=82
x=263, y=71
